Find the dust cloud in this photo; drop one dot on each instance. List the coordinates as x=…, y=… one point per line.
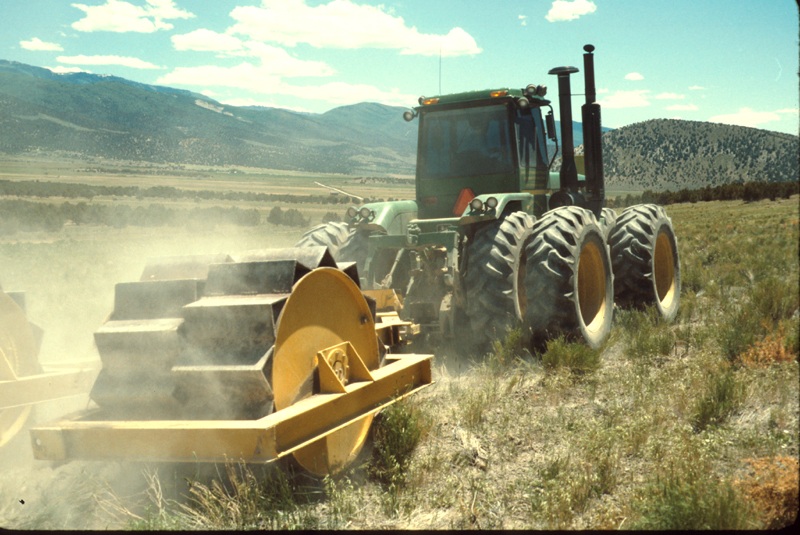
x=68, y=278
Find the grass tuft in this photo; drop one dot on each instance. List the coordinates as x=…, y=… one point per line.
x=576, y=357
x=723, y=396
x=685, y=501
x=397, y=431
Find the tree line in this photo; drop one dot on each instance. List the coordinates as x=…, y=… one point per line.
x=43, y=189
x=749, y=192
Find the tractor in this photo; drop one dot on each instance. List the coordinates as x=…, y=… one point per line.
x=495, y=238
x=290, y=353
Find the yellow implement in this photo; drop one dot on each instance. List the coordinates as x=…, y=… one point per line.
x=254, y=357
x=23, y=382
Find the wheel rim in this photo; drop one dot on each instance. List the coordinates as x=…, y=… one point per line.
x=325, y=308
x=522, y=273
x=664, y=270
x=592, y=287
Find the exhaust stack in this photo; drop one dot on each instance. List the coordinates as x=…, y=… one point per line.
x=592, y=148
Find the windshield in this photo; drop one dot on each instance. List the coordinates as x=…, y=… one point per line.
x=465, y=142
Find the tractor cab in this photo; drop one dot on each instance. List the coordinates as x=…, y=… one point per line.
x=480, y=142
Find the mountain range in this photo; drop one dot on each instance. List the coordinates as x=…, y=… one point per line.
x=83, y=114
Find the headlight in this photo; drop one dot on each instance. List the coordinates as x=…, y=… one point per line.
x=491, y=202
x=476, y=204
x=351, y=212
x=364, y=212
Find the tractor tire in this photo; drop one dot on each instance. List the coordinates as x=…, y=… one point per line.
x=608, y=218
x=344, y=244
x=331, y=235
x=569, y=281
x=495, y=278
x=644, y=257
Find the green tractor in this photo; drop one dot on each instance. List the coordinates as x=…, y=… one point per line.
x=496, y=240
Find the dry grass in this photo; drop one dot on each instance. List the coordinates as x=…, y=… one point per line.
x=771, y=484
x=688, y=425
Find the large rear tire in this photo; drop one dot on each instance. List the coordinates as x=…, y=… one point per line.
x=644, y=256
x=495, y=277
x=608, y=218
x=344, y=244
x=569, y=281
x=332, y=235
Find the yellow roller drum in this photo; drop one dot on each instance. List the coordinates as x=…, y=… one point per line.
x=325, y=309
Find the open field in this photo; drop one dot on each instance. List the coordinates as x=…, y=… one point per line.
x=196, y=177
x=690, y=425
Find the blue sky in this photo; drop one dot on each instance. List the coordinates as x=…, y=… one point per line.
x=727, y=61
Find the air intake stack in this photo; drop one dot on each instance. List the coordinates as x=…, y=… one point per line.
x=568, y=194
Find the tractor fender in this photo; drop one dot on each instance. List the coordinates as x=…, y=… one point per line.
x=518, y=201
x=390, y=217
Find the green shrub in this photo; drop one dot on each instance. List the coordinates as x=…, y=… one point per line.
x=578, y=357
x=723, y=396
x=397, y=431
x=508, y=350
x=687, y=500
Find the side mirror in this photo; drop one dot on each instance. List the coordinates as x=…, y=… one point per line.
x=550, y=121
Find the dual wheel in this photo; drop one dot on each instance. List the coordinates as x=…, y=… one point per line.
x=560, y=274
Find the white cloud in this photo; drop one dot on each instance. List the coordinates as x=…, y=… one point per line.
x=791, y=111
x=682, y=107
x=523, y=20
x=746, y=117
x=281, y=63
x=39, y=45
x=343, y=24
x=66, y=70
x=562, y=10
x=265, y=80
x=120, y=16
x=277, y=61
x=696, y=88
x=626, y=99
x=275, y=64
x=635, y=76
x=245, y=76
x=203, y=40
x=124, y=61
x=341, y=93
x=669, y=96
x=457, y=42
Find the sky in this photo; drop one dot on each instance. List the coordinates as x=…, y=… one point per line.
x=724, y=61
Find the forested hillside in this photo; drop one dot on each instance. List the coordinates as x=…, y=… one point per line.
x=675, y=154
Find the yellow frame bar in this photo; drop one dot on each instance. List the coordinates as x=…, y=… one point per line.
x=30, y=389
x=266, y=439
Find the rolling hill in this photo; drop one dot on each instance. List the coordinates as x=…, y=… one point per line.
x=111, y=117
x=85, y=114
